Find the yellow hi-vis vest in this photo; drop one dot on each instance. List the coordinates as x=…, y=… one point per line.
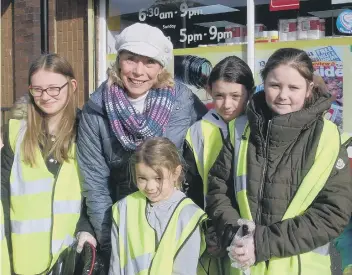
x=138, y=250
x=206, y=141
x=5, y=261
x=44, y=210
x=316, y=262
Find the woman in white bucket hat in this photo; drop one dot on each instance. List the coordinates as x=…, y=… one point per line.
x=139, y=100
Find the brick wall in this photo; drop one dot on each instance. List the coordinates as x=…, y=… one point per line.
x=52, y=25
x=6, y=54
x=26, y=41
x=72, y=41
x=21, y=42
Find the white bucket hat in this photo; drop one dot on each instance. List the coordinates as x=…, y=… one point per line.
x=143, y=39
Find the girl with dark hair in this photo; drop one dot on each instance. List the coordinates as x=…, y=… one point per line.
x=286, y=193
x=230, y=84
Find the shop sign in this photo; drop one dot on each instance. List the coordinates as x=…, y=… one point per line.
x=279, y=5
x=344, y=22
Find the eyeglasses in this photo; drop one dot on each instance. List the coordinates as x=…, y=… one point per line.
x=52, y=91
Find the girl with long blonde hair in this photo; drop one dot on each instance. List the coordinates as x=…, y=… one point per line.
x=41, y=192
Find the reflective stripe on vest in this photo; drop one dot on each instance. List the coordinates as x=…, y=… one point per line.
x=5, y=260
x=316, y=262
x=139, y=251
x=240, y=126
x=44, y=210
x=206, y=141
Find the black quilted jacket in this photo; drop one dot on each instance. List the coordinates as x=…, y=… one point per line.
x=279, y=156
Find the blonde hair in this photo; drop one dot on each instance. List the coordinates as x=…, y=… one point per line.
x=164, y=79
x=37, y=134
x=157, y=153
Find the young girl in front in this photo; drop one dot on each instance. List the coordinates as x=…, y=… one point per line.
x=156, y=230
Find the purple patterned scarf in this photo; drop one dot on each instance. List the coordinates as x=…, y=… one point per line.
x=132, y=128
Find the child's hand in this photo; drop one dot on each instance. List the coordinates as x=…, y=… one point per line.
x=348, y=270
x=242, y=248
x=242, y=252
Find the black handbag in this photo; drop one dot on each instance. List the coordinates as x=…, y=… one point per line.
x=88, y=262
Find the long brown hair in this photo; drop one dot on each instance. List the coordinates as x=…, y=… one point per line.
x=37, y=133
x=157, y=153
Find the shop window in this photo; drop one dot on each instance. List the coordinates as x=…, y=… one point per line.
x=188, y=24
x=313, y=28
x=204, y=32
x=315, y=19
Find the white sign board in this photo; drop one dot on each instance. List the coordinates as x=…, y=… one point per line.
x=333, y=2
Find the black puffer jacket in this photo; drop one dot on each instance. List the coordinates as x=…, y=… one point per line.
x=278, y=160
x=104, y=162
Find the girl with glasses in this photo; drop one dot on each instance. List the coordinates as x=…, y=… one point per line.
x=40, y=188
